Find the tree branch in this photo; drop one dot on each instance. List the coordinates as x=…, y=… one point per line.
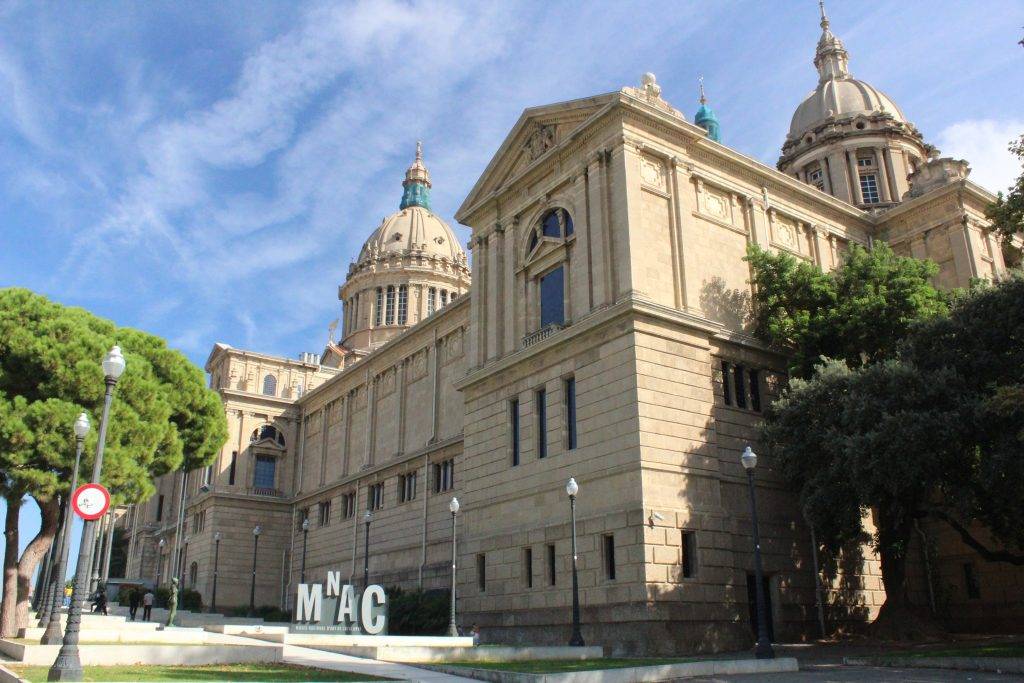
x=966, y=537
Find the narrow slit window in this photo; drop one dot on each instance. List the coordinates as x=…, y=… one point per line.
x=609, y=557
x=513, y=410
x=528, y=567
x=726, y=384
x=570, y=413
x=542, y=423
x=551, y=565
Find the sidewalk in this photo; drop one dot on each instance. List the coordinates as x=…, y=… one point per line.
x=372, y=667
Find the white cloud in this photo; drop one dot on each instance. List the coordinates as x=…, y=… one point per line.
x=983, y=143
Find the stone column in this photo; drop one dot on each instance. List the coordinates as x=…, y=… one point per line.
x=822, y=247
x=851, y=162
x=495, y=297
x=840, y=170
x=883, y=185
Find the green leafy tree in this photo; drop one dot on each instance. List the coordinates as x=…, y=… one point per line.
x=163, y=418
x=858, y=313
x=1007, y=212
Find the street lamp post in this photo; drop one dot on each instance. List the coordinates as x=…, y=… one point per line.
x=453, y=630
x=368, y=517
x=160, y=559
x=572, y=488
x=216, y=561
x=305, y=539
x=763, y=649
x=256, y=531
x=68, y=665
x=53, y=631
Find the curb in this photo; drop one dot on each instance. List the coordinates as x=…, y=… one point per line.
x=8, y=676
x=661, y=672
x=1000, y=665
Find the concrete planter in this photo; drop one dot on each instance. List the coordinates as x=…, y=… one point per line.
x=711, y=667
x=110, y=655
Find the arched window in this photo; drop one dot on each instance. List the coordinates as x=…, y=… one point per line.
x=270, y=385
x=193, y=573
x=403, y=304
x=267, y=433
x=378, y=319
x=389, y=313
x=556, y=223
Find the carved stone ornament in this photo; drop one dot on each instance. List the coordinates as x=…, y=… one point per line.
x=650, y=92
x=541, y=140
x=652, y=172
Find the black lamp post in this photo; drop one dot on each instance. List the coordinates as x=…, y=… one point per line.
x=53, y=631
x=160, y=560
x=368, y=517
x=572, y=488
x=256, y=531
x=763, y=649
x=216, y=561
x=68, y=665
x=453, y=630
x=305, y=539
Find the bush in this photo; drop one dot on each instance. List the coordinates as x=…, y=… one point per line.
x=418, y=613
x=272, y=613
x=160, y=596
x=188, y=599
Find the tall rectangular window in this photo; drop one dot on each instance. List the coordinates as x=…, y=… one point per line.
x=528, y=567
x=513, y=414
x=378, y=318
x=726, y=383
x=609, y=557
x=755, y=390
x=569, y=390
x=160, y=508
x=540, y=399
x=407, y=487
x=389, y=311
x=444, y=475
x=431, y=300
x=741, y=392
x=689, y=553
x=325, y=513
x=444, y=298
x=869, y=188
x=375, y=496
x=551, y=564
x=348, y=505
x=403, y=304
x=481, y=572
x=231, y=468
x=266, y=471
x=552, y=298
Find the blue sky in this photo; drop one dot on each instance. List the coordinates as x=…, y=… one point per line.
x=206, y=171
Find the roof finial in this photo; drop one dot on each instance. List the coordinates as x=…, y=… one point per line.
x=700, y=80
x=419, y=150
x=824, y=17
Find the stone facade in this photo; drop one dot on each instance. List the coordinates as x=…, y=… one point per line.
x=606, y=337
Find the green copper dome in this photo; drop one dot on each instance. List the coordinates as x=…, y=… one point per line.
x=416, y=183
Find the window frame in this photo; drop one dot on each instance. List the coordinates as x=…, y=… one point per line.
x=264, y=458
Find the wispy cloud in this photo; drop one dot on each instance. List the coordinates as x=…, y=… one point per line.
x=984, y=143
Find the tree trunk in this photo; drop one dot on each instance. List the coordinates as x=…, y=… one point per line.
x=8, y=615
x=49, y=512
x=898, y=619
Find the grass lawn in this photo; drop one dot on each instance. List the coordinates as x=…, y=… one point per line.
x=555, y=666
x=994, y=650
x=213, y=672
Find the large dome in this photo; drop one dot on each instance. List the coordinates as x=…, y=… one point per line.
x=841, y=98
x=413, y=230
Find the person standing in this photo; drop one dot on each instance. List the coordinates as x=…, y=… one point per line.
x=147, y=605
x=133, y=603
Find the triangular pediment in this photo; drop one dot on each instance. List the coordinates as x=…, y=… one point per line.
x=538, y=131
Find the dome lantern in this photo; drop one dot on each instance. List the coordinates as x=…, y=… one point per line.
x=416, y=183
x=705, y=116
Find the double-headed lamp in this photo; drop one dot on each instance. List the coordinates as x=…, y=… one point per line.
x=82, y=426
x=749, y=459
x=113, y=363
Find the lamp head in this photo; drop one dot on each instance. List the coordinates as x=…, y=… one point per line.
x=305, y=524
x=163, y=542
x=82, y=426
x=368, y=516
x=749, y=459
x=113, y=363
x=571, y=487
x=454, y=506
x=257, y=530
x=216, y=536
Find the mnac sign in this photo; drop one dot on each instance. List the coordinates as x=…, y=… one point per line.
x=331, y=607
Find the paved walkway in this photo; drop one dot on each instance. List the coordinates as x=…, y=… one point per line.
x=833, y=673
x=305, y=656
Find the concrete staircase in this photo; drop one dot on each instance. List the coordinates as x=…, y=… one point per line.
x=184, y=617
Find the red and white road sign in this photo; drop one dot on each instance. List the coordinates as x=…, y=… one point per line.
x=90, y=501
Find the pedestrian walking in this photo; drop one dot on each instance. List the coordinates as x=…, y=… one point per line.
x=147, y=605
x=133, y=603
